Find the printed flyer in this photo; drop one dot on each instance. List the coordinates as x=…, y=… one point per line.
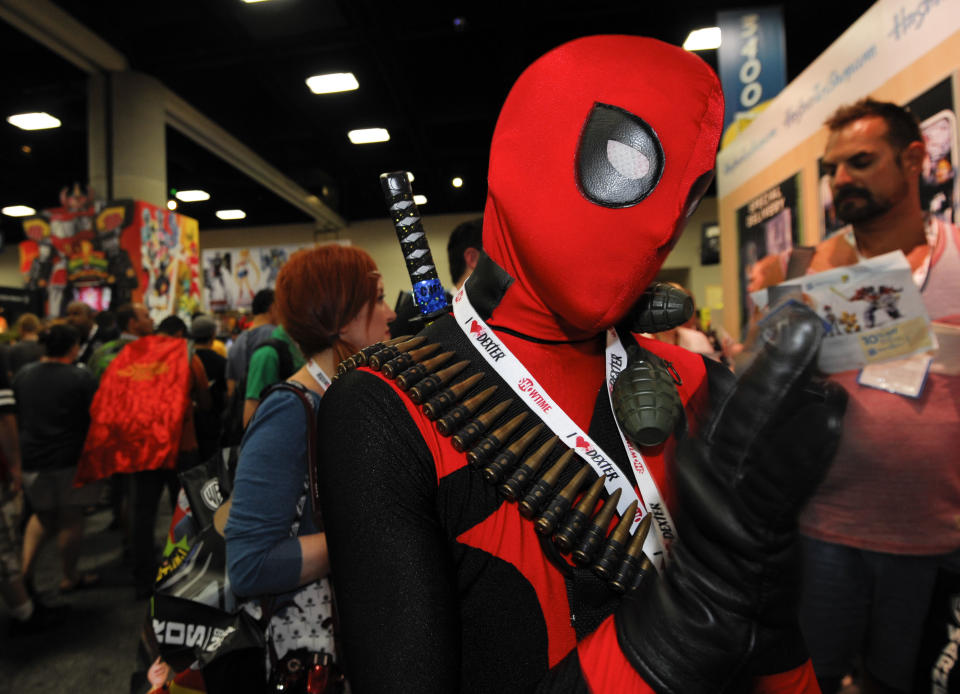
x=872, y=311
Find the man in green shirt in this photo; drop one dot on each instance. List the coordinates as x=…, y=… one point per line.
x=135, y=321
x=275, y=360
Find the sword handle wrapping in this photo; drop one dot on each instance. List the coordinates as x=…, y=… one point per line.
x=427, y=290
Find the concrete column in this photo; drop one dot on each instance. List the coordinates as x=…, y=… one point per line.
x=129, y=151
x=98, y=151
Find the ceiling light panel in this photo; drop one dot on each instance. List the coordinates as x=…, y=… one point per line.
x=365, y=136
x=332, y=83
x=192, y=195
x=703, y=39
x=34, y=121
x=231, y=214
x=18, y=211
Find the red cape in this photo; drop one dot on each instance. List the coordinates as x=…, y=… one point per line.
x=136, y=417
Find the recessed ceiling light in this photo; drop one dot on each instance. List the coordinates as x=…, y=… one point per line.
x=334, y=82
x=365, y=136
x=420, y=199
x=456, y=182
x=18, y=211
x=34, y=121
x=703, y=39
x=231, y=214
x=171, y=205
x=192, y=195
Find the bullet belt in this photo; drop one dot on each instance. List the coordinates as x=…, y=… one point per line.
x=563, y=497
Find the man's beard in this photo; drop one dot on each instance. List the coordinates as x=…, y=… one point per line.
x=870, y=208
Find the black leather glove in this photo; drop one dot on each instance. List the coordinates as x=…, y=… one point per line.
x=728, y=594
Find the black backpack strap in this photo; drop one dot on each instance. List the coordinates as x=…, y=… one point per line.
x=314, y=488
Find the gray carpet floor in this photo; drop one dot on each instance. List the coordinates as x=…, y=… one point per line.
x=94, y=648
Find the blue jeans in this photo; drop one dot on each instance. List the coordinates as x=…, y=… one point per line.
x=860, y=603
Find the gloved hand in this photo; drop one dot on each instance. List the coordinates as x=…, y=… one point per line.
x=728, y=595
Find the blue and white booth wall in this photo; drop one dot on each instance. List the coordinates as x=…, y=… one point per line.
x=770, y=185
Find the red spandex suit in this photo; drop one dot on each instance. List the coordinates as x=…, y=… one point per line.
x=602, y=150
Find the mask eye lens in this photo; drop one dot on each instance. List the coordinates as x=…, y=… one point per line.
x=619, y=158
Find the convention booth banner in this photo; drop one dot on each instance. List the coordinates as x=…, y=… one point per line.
x=753, y=63
x=232, y=276
x=106, y=254
x=904, y=51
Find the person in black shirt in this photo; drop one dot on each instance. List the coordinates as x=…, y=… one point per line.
x=82, y=317
x=53, y=400
x=28, y=348
x=203, y=330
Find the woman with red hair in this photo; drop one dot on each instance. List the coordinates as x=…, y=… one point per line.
x=330, y=300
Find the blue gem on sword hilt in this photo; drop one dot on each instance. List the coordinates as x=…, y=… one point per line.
x=427, y=290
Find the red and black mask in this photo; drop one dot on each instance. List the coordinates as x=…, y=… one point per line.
x=602, y=149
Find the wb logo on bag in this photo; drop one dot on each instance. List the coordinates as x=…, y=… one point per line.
x=210, y=493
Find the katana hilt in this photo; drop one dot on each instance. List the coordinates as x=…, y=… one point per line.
x=428, y=292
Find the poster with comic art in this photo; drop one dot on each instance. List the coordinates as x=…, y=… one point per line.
x=233, y=276
x=768, y=228
x=170, y=273
x=110, y=253
x=935, y=110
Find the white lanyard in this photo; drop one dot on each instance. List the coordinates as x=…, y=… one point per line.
x=319, y=376
x=530, y=391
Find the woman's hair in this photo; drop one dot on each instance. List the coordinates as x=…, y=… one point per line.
x=59, y=339
x=27, y=323
x=319, y=290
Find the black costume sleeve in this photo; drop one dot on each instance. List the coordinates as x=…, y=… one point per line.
x=394, y=579
x=392, y=576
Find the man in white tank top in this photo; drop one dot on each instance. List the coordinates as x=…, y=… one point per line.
x=889, y=510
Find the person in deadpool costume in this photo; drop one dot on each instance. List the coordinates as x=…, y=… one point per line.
x=601, y=151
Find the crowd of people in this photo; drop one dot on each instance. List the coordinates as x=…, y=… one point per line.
x=397, y=518
x=51, y=370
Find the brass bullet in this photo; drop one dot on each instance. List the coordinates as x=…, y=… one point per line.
x=518, y=480
x=474, y=429
x=419, y=371
x=608, y=562
x=645, y=568
x=574, y=523
x=448, y=397
x=398, y=364
x=596, y=530
x=376, y=361
x=633, y=557
x=510, y=456
x=423, y=389
x=562, y=502
x=460, y=414
x=494, y=441
x=541, y=490
x=361, y=357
